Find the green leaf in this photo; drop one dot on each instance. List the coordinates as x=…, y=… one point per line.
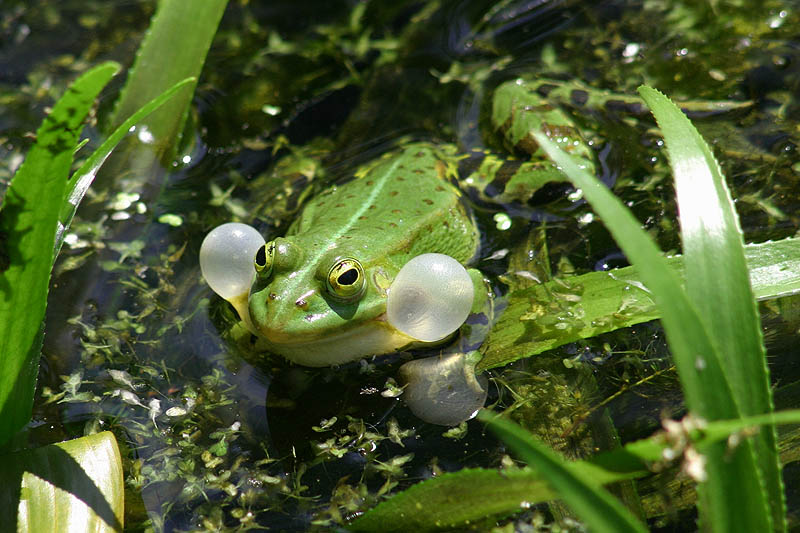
x=718, y=286
x=83, y=177
x=174, y=49
x=680, y=319
x=70, y=486
x=599, y=302
x=28, y=223
x=598, y=509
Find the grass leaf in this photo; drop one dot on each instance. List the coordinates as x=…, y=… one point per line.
x=601, y=511
x=740, y=504
x=719, y=287
x=174, y=49
x=600, y=302
x=28, y=222
x=456, y=499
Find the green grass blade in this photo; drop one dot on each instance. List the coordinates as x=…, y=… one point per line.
x=598, y=509
x=680, y=318
x=718, y=284
x=28, y=223
x=705, y=386
x=70, y=486
x=599, y=302
x=455, y=500
x=174, y=49
x=83, y=177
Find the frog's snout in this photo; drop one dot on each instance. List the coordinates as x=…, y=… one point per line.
x=302, y=301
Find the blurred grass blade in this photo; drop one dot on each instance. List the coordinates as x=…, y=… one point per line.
x=28, y=222
x=455, y=500
x=598, y=509
x=598, y=302
x=718, y=284
x=70, y=486
x=174, y=49
x=83, y=177
x=699, y=365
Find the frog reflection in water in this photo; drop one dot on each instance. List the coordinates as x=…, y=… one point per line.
x=375, y=265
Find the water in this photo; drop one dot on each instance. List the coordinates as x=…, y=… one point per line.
x=246, y=439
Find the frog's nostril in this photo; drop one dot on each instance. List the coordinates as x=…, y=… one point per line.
x=302, y=301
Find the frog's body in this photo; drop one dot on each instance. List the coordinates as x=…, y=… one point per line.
x=398, y=208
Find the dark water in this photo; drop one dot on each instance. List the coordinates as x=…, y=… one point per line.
x=239, y=438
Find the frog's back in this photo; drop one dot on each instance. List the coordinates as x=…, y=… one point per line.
x=399, y=207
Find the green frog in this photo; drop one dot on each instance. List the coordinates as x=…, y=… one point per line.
x=321, y=294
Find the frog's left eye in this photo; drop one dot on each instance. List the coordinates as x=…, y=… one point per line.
x=264, y=259
x=346, y=280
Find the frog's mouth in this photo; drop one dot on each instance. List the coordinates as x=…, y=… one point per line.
x=338, y=346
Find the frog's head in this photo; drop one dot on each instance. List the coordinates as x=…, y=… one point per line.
x=321, y=307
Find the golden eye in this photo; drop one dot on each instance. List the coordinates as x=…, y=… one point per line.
x=265, y=257
x=346, y=280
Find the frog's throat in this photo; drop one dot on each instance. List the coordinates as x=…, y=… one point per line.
x=242, y=306
x=373, y=338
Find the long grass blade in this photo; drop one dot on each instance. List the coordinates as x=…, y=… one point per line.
x=599, y=302
x=174, y=49
x=456, y=499
x=718, y=285
x=590, y=502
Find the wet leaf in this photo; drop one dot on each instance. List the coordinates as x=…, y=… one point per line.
x=734, y=477
x=545, y=316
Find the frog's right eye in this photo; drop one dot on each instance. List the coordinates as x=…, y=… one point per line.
x=265, y=258
x=346, y=280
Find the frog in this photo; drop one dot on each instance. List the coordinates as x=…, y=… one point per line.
x=320, y=293
x=402, y=230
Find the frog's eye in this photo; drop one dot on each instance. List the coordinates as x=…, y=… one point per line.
x=346, y=280
x=264, y=259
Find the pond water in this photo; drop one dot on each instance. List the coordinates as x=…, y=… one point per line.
x=295, y=96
